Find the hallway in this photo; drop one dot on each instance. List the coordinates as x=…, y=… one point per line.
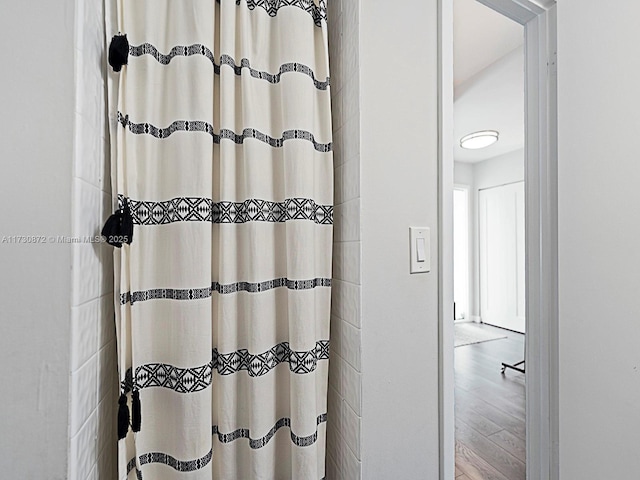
x=490, y=410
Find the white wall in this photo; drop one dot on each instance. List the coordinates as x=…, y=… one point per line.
x=463, y=173
x=599, y=239
x=507, y=168
x=399, y=188
x=37, y=97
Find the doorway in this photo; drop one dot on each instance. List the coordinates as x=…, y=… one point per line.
x=540, y=258
x=488, y=154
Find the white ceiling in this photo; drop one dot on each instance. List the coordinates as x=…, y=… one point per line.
x=488, y=79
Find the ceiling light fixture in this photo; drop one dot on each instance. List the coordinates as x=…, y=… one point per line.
x=477, y=140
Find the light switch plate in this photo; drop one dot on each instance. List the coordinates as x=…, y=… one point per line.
x=417, y=235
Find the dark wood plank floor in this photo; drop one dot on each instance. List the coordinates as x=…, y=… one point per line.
x=490, y=410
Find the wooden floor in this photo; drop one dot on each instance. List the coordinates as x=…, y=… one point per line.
x=490, y=410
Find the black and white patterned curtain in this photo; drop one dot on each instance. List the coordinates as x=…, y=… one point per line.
x=223, y=162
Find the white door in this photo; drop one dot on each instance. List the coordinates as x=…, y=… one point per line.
x=501, y=245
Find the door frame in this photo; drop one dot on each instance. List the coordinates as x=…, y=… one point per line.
x=539, y=20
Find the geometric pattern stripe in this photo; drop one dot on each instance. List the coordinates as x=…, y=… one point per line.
x=317, y=12
x=202, y=209
x=195, y=379
x=199, y=49
x=223, y=289
x=260, y=442
x=178, y=465
x=224, y=134
x=131, y=464
x=254, y=443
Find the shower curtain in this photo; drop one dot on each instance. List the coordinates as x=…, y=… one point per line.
x=223, y=160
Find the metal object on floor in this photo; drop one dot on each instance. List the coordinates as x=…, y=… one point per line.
x=515, y=366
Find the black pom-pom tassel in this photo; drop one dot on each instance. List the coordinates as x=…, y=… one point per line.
x=118, y=52
x=127, y=223
x=136, y=416
x=111, y=229
x=123, y=417
x=118, y=228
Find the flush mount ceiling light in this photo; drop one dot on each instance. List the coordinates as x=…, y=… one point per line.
x=477, y=140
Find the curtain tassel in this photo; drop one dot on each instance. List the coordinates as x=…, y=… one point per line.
x=136, y=416
x=127, y=222
x=118, y=228
x=118, y=52
x=123, y=417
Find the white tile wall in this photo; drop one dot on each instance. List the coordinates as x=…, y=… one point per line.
x=350, y=387
x=93, y=373
x=82, y=449
x=343, y=426
x=351, y=149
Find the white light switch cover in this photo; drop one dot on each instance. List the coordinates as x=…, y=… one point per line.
x=420, y=249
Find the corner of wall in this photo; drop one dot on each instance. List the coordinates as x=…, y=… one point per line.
x=93, y=377
x=345, y=370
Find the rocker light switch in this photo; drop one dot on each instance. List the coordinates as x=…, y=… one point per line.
x=420, y=251
x=420, y=244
